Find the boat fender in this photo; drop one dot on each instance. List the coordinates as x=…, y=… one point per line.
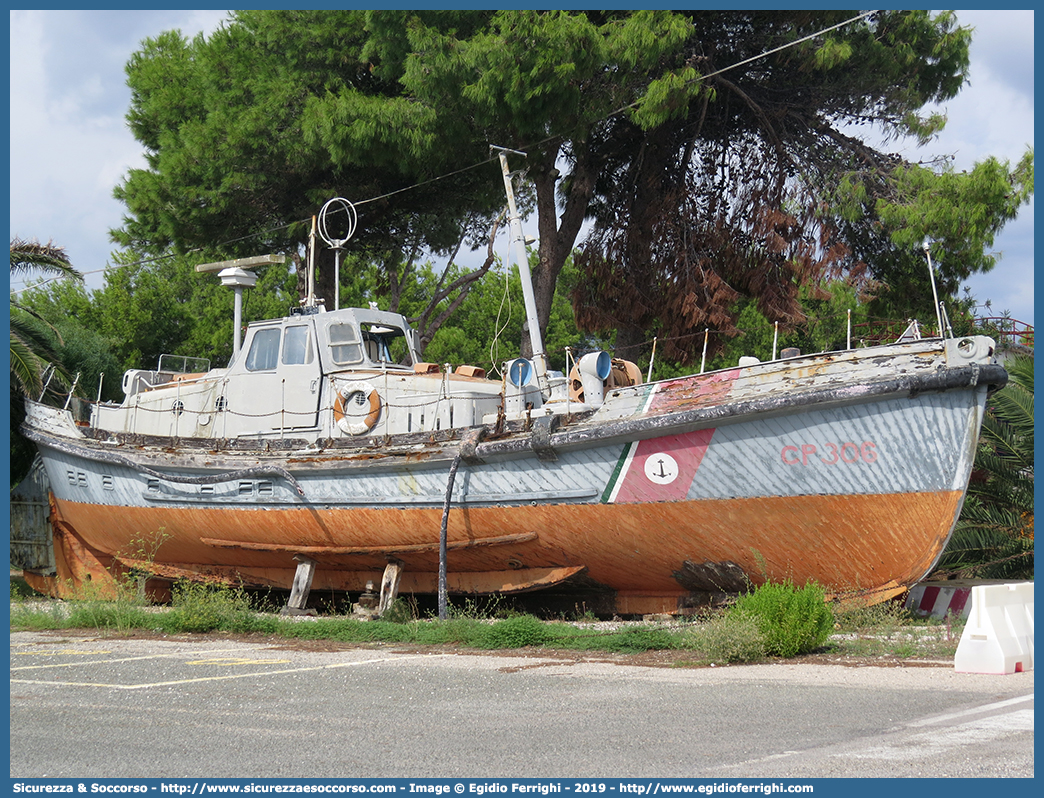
x=366, y=393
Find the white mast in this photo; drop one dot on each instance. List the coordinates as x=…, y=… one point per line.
x=519, y=245
x=935, y=294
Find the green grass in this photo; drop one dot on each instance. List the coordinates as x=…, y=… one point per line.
x=742, y=633
x=890, y=630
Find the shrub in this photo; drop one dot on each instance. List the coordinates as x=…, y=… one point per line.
x=197, y=607
x=731, y=637
x=792, y=620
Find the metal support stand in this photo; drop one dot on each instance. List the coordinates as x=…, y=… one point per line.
x=443, y=538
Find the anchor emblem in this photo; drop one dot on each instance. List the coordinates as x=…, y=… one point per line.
x=661, y=468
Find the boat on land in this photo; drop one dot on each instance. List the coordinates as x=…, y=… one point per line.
x=329, y=456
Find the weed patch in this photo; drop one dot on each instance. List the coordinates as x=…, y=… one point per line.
x=774, y=620
x=884, y=618
x=519, y=632
x=640, y=638
x=200, y=607
x=730, y=637
x=119, y=615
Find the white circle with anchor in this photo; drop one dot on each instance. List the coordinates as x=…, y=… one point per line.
x=661, y=468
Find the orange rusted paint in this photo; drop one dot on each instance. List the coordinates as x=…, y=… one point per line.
x=849, y=544
x=454, y=545
x=488, y=582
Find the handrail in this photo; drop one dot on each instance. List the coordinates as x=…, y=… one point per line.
x=1006, y=330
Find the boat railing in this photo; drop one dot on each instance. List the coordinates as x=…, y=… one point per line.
x=1006, y=330
x=1000, y=328
x=139, y=384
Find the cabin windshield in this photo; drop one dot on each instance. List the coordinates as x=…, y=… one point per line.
x=386, y=345
x=264, y=350
x=345, y=346
x=380, y=344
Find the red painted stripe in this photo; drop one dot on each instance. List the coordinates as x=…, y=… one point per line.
x=960, y=598
x=928, y=599
x=693, y=391
x=662, y=469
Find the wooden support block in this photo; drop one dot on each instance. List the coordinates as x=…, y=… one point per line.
x=390, y=585
x=302, y=583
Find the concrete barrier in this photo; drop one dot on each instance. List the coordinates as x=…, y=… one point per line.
x=937, y=600
x=998, y=637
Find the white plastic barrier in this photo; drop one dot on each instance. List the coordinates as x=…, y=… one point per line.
x=998, y=637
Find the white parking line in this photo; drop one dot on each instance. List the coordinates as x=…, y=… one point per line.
x=973, y=711
x=226, y=677
x=925, y=745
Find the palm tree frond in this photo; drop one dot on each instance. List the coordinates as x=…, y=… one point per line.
x=994, y=536
x=26, y=367
x=27, y=256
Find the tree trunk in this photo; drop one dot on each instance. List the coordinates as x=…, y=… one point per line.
x=556, y=240
x=326, y=281
x=301, y=267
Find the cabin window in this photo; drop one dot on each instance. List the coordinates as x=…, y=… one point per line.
x=297, y=346
x=386, y=345
x=345, y=346
x=264, y=350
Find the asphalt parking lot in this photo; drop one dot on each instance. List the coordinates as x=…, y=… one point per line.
x=111, y=707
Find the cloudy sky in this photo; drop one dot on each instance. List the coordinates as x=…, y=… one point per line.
x=70, y=145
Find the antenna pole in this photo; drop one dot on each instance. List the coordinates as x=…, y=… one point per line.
x=337, y=244
x=310, y=298
x=935, y=294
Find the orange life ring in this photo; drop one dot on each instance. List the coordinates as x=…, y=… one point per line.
x=366, y=393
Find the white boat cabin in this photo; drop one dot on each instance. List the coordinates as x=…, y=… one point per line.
x=346, y=373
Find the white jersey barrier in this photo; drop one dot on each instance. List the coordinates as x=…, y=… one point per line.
x=998, y=637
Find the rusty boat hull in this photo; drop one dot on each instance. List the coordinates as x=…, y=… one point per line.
x=848, y=468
